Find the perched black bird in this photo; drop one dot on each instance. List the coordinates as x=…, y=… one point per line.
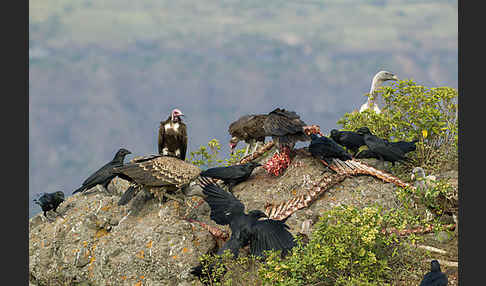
x=349, y=139
x=405, y=146
x=382, y=148
x=231, y=175
x=402, y=145
x=246, y=229
x=325, y=149
x=435, y=277
x=50, y=201
x=104, y=175
x=172, y=139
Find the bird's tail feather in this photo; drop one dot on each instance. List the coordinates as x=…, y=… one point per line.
x=127, y=195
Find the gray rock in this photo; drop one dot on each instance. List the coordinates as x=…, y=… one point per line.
x=96, y=241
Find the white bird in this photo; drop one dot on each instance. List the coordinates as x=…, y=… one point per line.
x=378, y=80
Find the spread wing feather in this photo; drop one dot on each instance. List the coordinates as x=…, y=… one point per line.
x=270, y=235
x=224, y=205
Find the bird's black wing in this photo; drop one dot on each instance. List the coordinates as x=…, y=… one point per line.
x=352, y=139
x=101, y=174
x=327, y=148
x=225, y=173
x=161, y=139
x=270, y=234
x=383, y=148
x=405, y=146
x=366, y=154
x=183, y=139
x=224, y=205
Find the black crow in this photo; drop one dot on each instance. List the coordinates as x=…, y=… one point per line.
x=231, y=175
x=324, y=148
x=246, y=229
x=402, y=145
x=405, y=146
x=435, y=277
x=173, y=136
x=382, y=148
x=50, y=201
x=349, y=139
x=104, y=175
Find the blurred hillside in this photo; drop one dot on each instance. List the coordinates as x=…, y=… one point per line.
x=102, y=74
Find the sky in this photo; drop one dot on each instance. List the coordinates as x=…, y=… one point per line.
x=102, y=75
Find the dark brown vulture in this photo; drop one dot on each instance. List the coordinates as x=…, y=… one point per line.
x=248, y=128
x=173, y=136
x=157, y=175
x=285, y=127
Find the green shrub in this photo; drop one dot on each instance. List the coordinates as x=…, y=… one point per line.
x=228, y=271
x=346, y=247
x=410, y=112
x=208, y=156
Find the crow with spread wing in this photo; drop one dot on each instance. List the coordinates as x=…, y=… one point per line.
x=246, y=229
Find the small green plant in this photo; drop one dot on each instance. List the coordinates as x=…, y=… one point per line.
x=208, y=156
x=411, y=112
x=227, y=271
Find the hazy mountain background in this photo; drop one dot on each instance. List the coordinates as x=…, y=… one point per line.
x=103, y=74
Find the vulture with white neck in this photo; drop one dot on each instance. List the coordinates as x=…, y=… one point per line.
x=173, y=136
x=378, y=80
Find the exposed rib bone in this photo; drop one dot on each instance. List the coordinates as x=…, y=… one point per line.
x=343, y=170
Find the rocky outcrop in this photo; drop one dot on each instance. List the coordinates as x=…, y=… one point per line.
x=93, y=241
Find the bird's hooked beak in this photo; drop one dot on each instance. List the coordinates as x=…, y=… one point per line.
x=394, y=77
x=232, y=146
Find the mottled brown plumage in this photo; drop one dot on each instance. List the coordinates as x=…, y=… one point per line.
x=172, y=140
x=160, y=173
x=248, y=128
